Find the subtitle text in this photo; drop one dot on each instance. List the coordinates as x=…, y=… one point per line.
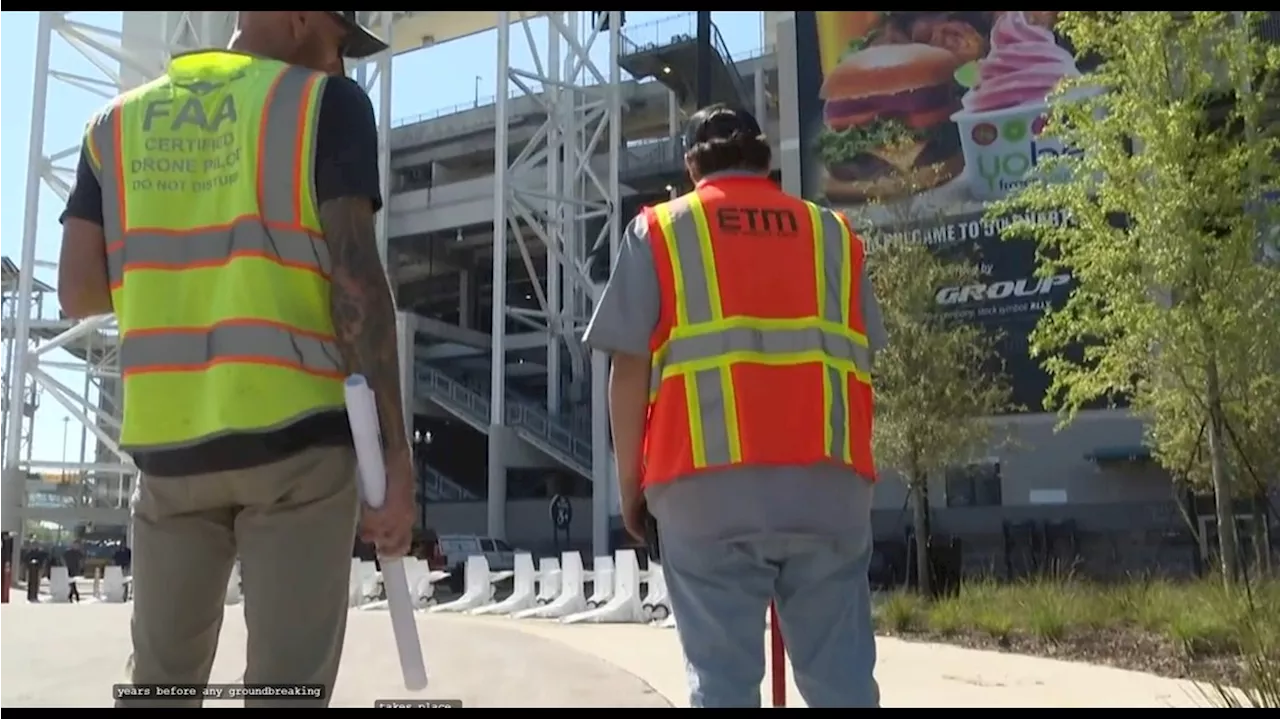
x=216, y=692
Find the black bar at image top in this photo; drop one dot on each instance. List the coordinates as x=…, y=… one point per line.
x=702, y=79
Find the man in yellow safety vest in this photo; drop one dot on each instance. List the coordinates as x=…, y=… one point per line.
x=225, y=213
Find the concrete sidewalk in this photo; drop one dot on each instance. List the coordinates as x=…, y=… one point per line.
x=910, y=674
x=69, y=655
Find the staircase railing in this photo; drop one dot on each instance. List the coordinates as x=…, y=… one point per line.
x=535, y=425
x=661, y=157
x=469, y=405
x=440, y=487
x=726, y=57
x=569, y=445
x=669, y=30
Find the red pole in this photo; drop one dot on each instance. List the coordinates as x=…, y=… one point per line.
x=778, y=654
x=5, y=579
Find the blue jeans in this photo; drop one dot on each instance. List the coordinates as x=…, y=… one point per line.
x=720, y=592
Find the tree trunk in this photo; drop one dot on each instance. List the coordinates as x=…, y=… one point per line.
x=1261, y=542
x=920, y=520
x=1222, y=495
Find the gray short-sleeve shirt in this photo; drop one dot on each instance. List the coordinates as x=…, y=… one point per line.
x=739, y=502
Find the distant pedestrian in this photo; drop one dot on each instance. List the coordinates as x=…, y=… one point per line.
x=73, y=558
x=123, y=557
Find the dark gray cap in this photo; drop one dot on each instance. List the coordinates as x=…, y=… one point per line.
x=719, y=122
x=361, y=42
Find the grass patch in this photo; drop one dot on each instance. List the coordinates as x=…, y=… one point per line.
x=1187, y=629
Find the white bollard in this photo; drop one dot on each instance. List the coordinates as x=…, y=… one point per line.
x=570, y=600
x=656, y=605
x=548, y=580
x=234, y=592
x=522, y=594
x=434, y=577
x=601, y=582
x=624, y=606
x=355, y=585
x=417, y=580
x=59, y=585
x=113, y=589
x=417, y=575
x=478, y=590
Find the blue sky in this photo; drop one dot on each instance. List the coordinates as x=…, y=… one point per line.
x=418, y=87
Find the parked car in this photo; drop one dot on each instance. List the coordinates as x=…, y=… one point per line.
x=455, y=548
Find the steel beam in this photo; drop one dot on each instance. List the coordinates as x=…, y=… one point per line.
x=550, y=192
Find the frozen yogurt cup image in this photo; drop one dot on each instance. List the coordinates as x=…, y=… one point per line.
x=1003, y=115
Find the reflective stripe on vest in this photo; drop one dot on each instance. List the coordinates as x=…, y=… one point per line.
x=192, y=329
x=183, y=349
x=704, y=343
x=278, y=235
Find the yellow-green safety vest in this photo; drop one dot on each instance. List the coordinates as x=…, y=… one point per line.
x=219, y=274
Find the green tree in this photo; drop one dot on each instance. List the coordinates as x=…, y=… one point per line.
x=932, y=388
x=1174, y=307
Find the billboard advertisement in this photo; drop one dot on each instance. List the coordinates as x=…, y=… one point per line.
x=913, y=121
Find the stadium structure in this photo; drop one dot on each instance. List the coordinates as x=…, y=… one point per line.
x=494, y=209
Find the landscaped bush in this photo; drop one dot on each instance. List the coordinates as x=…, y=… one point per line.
x=1182, y=629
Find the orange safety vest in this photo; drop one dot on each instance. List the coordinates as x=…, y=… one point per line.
x=760, y=355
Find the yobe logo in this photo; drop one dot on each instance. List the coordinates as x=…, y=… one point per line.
x=1011, y=151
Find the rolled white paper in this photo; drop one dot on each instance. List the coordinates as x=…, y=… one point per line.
x=362, y=412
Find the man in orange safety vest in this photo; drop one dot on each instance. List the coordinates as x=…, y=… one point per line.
x=741, y=326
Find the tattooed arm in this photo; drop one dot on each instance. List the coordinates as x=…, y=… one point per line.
x=347, y=189
x=364, y=315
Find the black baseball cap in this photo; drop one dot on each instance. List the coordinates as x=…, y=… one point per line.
x=361, y=42
x=719, y=122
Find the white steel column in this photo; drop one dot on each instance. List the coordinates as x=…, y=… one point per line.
x=375, y=73
x=556, y=141
x=126, y=57
x=761, y=102
x=15, y=487
x=580, y=143
x=497, y=467
x=602, y=463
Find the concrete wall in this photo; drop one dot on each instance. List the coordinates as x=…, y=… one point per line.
x=471, y=131
x=528, y=521
x=458, y=204
x=1124, y=517
x=521, y=454
x=1034, y=457
x=459, y=197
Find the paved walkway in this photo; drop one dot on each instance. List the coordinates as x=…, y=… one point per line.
x=72, y=654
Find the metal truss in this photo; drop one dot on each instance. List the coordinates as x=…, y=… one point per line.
x=100, y=485
x=560, y=182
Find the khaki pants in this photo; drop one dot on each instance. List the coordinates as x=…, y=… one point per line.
x=292, y=524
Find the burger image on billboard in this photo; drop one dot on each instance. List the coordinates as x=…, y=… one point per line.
x=887, y=122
